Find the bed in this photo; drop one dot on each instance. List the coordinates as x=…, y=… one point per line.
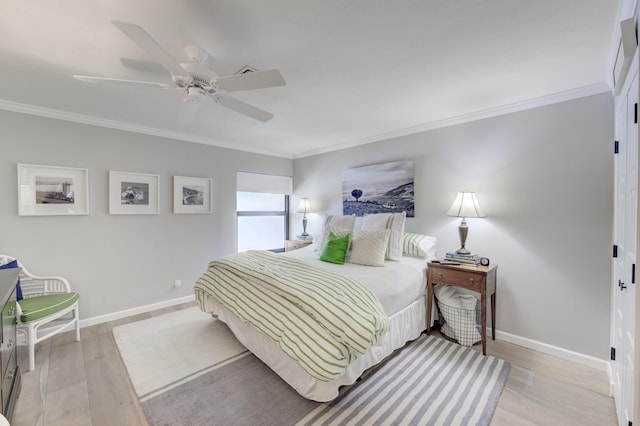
x=399, y=286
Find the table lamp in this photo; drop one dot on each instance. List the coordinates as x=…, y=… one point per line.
x=466, y=205
x=304, y=207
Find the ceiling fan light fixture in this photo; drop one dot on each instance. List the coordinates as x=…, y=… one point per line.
x=196, y=94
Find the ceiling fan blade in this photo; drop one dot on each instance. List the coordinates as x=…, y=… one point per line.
x=89, y=79
x=146, y=42
x=141, y=65
x=243, y=108
x=251, y=80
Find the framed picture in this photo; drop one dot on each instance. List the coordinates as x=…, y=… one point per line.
x=379, y=188
x=191, y=195
x=52, y=190
x=134, y=193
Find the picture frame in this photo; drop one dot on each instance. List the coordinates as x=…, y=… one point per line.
x=192, y=195
x=133, y=193
x=52, y=190
x=379, y=188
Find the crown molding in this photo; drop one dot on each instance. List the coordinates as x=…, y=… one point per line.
x=128, y=127
x=594, y=89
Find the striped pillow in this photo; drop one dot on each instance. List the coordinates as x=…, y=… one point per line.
x=419, y=245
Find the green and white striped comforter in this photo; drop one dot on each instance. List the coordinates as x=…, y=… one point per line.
x=319, y=318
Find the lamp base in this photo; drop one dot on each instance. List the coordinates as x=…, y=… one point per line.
x=463, y=229
x=304, y=234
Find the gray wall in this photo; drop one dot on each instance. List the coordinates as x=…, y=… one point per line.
x=120, y=262
x=545, y=180
x=543, y=176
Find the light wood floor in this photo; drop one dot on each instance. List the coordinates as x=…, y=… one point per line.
x=85, y=383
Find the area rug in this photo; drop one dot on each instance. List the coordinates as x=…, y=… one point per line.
x=429, y=382
x=163, y=351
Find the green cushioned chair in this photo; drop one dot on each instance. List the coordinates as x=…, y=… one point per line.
x=45, y=300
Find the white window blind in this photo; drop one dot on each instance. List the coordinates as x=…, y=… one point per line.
x=258, y=182
x=263, y=211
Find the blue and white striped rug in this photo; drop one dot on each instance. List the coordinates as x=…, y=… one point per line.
x=430, y=382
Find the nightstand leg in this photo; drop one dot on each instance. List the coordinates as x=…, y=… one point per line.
x=493, y=316
x=429, y=303
x=483, y=314
x=484, y=338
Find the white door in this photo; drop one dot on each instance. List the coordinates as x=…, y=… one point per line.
x=619, y=228
x=625, y=380
x=630, y=384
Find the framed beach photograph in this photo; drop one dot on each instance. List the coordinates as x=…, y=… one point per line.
x=134, y=193
x=52, y=190
x=192, y=194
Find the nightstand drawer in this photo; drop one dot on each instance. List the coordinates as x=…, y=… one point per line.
x=458, y=278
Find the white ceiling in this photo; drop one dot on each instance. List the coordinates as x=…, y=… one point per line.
x=356, y=70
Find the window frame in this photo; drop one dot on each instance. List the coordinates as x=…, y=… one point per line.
x=259, y=213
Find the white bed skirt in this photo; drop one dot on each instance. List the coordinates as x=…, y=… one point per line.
x=404, y=326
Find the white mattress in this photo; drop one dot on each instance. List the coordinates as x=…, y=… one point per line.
x=401, y=289
x=396, y=284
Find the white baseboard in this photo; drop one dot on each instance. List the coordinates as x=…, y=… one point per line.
x=566, y=354
x=612, y=385
x=134, y=311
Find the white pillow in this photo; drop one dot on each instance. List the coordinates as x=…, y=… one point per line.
x=419, y=245
x=395, y=222
x=344, y=222
x=368, y=247
x=375, y=221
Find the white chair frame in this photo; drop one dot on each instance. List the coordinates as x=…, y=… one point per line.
x=32, y=286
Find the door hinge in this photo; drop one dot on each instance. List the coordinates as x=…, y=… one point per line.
x=616, y=147
x=613, y=354
x=630, y=423
x=615, y=250
x=633, y=273
x=635, y=113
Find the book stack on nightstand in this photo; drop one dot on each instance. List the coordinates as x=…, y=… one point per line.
x=466, y=259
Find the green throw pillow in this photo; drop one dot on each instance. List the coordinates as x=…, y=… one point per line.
x=334, y=249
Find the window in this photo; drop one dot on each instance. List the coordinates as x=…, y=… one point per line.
x=263, y=211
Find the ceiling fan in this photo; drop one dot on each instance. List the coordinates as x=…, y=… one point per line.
x=196, y=78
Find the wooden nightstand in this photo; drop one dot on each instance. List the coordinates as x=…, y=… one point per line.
x=296, y=244
x=481, y=279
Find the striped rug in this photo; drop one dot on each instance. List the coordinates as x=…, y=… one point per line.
x=211, y=380
x=431, y=382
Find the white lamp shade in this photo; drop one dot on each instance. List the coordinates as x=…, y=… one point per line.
x=465, y=205
x=304, y=206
